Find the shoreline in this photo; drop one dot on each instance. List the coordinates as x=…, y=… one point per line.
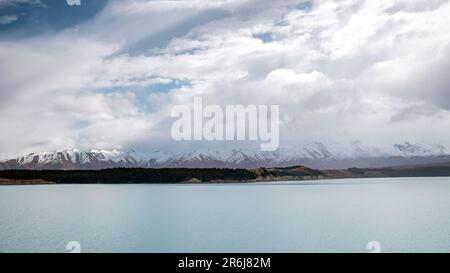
x=39, y=182
x=208, y=176
x=15, y=182
x=31, y=182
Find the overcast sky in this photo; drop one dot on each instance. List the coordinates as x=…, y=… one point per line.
x=105, y=74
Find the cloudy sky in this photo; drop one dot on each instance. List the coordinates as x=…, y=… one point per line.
x=105, y=74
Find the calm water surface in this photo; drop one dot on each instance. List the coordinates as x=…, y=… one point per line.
x=402, y=214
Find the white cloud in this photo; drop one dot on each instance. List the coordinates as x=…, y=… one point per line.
x=8, y=19
x=342, y=70
x=73, y=2
x=4, y=3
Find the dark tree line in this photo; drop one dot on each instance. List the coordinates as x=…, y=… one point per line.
x=129, y=175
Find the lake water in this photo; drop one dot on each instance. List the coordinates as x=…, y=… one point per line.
x=401, y=214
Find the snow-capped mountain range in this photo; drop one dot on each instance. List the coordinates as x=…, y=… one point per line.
x=315, y=155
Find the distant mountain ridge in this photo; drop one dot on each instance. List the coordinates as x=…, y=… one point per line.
x=315, y=155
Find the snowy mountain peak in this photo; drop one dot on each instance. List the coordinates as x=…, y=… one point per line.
x=70, y=159
x=315, y=155
x=409, y=149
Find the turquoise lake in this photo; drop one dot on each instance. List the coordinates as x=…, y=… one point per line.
x=401, y=214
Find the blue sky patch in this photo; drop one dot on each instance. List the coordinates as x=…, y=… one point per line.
x=305, y=6
x=265, y=37
x=81, y=124
x=25, y=19
x=165, y=87
x=142, y=93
